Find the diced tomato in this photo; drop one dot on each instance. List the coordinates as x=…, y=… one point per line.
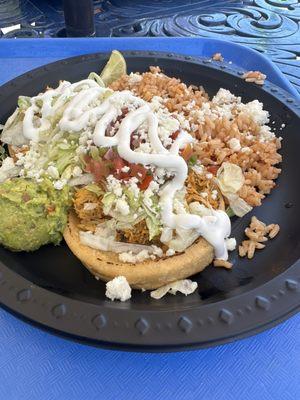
x=118, y=164
x=187, y=152
x=213, y=169
x=146, y=182
x=100, y=169
x=87, y=160
x=138, y=171
x=175, y=135
x=110, y=154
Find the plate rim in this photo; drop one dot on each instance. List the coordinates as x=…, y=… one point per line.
x=21, y=296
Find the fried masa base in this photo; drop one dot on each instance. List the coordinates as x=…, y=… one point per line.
x=148, y=274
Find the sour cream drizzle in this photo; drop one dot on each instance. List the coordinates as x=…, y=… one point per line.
x=78, y=114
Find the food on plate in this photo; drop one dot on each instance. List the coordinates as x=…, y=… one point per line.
x=118, y=289
x=254, y=76
x=257, y=234
x=32, y=214
x=185, y=286
x=154, y=168
x=217, y=57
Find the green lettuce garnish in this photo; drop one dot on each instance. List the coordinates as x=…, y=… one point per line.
x=107, y=201
x=24, y=102
x=94, y=189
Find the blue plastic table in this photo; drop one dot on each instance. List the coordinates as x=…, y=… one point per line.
x=38, y=366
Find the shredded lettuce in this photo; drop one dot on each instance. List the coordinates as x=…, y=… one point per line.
x=185, y=286
x=94, y=189
x=108, y=201
x=229, y=211
x=24, y=102
x=183, y=239
x=8, y=169
x=12, y=132
x=230, y=179
x=192, y=161
x=96, y=78
x=3, y=154
x=152, y=221
x=238, y=205
x=134, y=202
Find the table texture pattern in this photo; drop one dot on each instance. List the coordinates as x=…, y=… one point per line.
x=269, y=26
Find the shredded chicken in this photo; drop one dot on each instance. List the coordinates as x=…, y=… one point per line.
x=88, y=208
x=139, y=234
x=203, y=190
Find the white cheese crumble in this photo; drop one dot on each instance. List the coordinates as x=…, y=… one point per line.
x=59, y=184
x=265, y=134
x=8, y=169
x=254, y=109
x=125, y=168
x=133, y=187
x=134, y=78
x=170, y=252
x=53, y=172
x=130, y=257
x=214, y=194
x=89, y=206
x=225, y=96
x=114, y=185
x=245, y=149
x=122, y=207
x=118, y=289
x=234, y=144
x=230, y=244
x=185, y=286
x=198, y=169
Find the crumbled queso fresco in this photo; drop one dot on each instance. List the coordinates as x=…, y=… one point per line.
x=129, y=257
x=118, y=289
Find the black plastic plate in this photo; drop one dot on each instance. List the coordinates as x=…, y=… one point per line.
x=50, y=287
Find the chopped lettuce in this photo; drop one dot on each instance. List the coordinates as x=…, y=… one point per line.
x=152, y=220
x=238, y=205
x=192, y=161
x=12, y=132
x=134, y=202
x=230, y=179
x=153, y=226
x=94, y=189
x=108, y=201
x=95, y=153
x=229, y=211
x=24, y=102
x=183, y=239
x=96, y=78
x=3, y=154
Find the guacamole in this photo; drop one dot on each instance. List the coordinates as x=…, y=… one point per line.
x=32, y=214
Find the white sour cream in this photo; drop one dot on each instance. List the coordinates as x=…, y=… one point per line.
x=81, y=109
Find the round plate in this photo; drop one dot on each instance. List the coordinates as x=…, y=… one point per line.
x=51, y=288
